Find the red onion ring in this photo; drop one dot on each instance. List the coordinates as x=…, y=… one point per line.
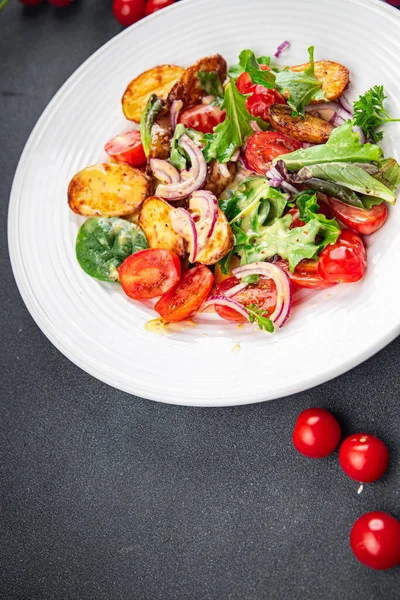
x=345, y=104
x=236, y=289
x=183, y=223
x=223, y=169
x=164, y=171
x=176, y=108
x=224, y=301
x=284, y=46
x=255, y=126
x=206, y=204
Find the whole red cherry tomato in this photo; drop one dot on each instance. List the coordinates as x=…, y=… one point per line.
x=245, y=85
x=316, y=433
x=364, y=457
x=345, y=261
x=61, y=3
x=375, y=540
x=128, y=12
x=258, y=104
x=359, y=219
x=305, y=274
x=153, y=6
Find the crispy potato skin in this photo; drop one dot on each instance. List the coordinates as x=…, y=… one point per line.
x=160, y=142
x=334, y=76
x=310, y=129
x=188, y=88
x=220, y=244
x=215, y=182
x=155, y=221
x=159, y=80
x=109, y=189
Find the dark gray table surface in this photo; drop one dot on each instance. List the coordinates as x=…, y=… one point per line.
x=106, y=496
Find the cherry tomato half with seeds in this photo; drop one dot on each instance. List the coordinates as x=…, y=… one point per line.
x=153, y=6
x=345, y=261
x=244, y=83
x=128, y=12
x=127, y=148
x=263, y=294
x=364, y=457
x=375, y=540
x=264, y=146
x=316, y=433
x=305, y=274
x=202, y=117
x=149, y=273
x=187, y=296
x=258, y=104
x=360, y=219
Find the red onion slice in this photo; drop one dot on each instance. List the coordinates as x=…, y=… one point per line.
x=255, y=126
x=206, y=205
x=346, y=105
x=183, y=223
x=164, y=171
x=283, y=287
x=236, y=289
x=284, y=46
x=223, y=169
x=176, y=108
x=224, y=301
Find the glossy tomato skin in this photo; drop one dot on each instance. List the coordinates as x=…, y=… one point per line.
x=264, y=146
x=186, y=297
x=149, y=273
x=316, y=433
x=245, y=85
x=258, y=104
x=202, y=117
x=364, y=457
x=262, y=294
x=153, y=6
x=127, y=148
x=359, y=219
x=128, y=12
x=375, y=540
x=345, y=261
x=305, y=274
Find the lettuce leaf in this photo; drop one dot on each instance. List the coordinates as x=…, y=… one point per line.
x=153, y=108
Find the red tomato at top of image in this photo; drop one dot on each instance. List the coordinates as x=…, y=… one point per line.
x=153, y=6
x=375, y=540
x=202, y=117
x=128, y=12
x=345, y=261
x=264, y=146
x=316, y=433
x=127, y=148
x=262, y=294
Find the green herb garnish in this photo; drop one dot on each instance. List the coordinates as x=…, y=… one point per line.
x=369, y=113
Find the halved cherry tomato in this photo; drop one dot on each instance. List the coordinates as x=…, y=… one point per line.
x=245, y=85
x=155, y=5
x=202, y=117
x=262, y=294
x=364, y=457
x=149, y=273
x=127, y=148
x=375, y=540
x=316, y=433
x=187, y=296
x=128, y=12
x=305, y=274
x=345, y=261
x=264, y=146
x=360, y=219
x=258, y=104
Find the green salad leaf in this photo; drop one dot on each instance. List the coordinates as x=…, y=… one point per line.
x=103, y=244
x=211, y=84
x=152, y=110
x=178, y=156
x=260, y=316
x=369, y=113
x=343, y=146
x=257, y=75
x=336, y=191
x=389, y=173
x=236, y=70
x=308, y=206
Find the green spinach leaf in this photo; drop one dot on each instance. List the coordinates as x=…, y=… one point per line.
x=153, y=108
x=211, y=84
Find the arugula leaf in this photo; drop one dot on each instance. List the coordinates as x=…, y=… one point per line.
x=231, y=133
x=303, y=86
x=343, y=146
x=225, y=263
x=261, y=316
x=351, y=176
x=153, y=108
x=211, y=83
x=236, y=70
x=257, y=75
x=251, y=279
x=178, y=157
x=389, y=173
x=309, y=209
x=369, y=113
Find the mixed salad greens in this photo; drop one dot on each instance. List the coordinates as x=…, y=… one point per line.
x=240, y=187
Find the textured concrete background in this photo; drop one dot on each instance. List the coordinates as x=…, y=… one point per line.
x=110, y=497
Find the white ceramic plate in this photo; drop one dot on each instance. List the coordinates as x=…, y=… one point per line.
x=99, y=328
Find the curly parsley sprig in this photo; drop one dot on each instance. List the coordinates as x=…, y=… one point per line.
x=369, y=113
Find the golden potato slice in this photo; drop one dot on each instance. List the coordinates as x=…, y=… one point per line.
x=188, y=88
x=160, y=142
x=334, y=76
x=221, y=242
x=159, y=80
x=109, y=190
x=215, y=181
x=310, y=129
x=155, y=220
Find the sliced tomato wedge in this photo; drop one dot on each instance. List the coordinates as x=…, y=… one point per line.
x=245, y=85
x=305, y=274
x=149, y=273
x=362, y=220
x=187, y=296
x=264, y=146
x=127, y=148
x=345, y=261
x=258, y=104
x=202, y=117
x=263, y=294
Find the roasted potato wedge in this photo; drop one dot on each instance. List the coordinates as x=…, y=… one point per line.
x=155, y=220
x=216, y=182
x=221, y=242
x=159, y=80
x=160, y=142
x=310, y=129
x=109, y=190
x=334, y=77
x=188, y=88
